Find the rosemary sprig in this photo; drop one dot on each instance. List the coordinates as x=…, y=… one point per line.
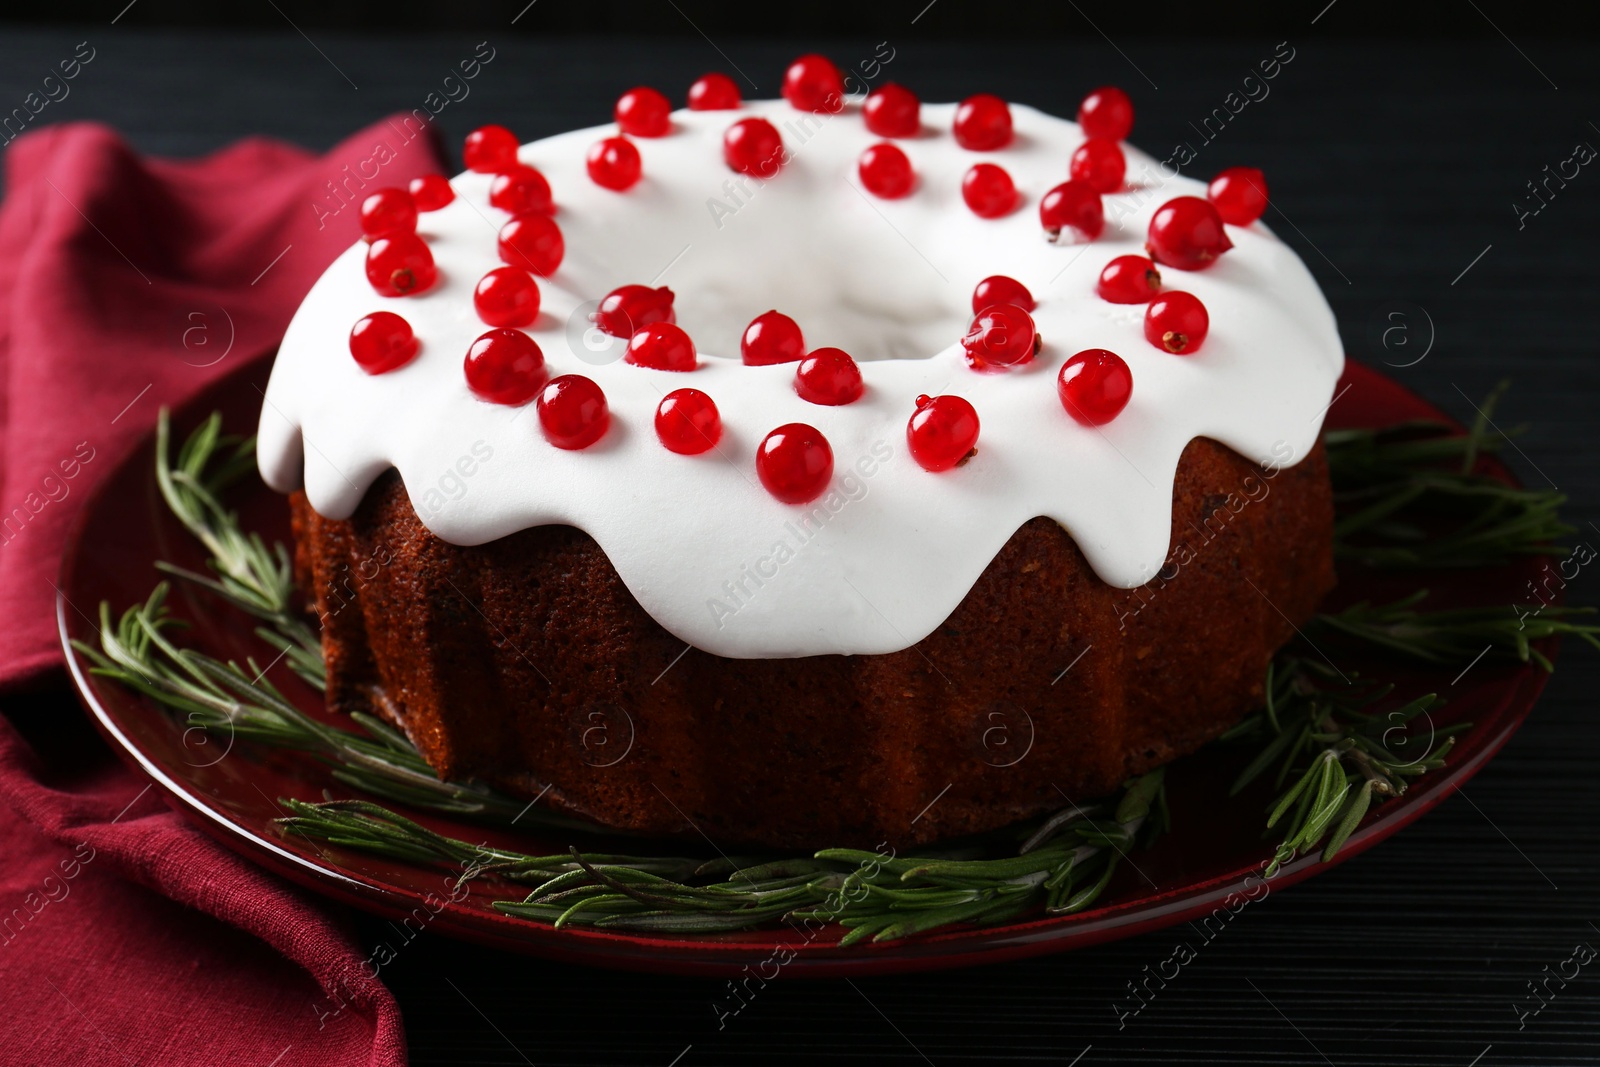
x=1340, y=742
x=1333, y=744
x=1064, y=866
x=1459, y=635
x=250, y=576
x=1386, y=481
x=232, y=702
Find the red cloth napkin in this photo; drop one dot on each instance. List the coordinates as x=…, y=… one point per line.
x=126, y=935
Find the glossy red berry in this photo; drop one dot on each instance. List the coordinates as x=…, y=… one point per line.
x=507, y=296
x=400, y=264
x=382, y=341
x=1129, y=280
x=828, y=376
x=772, y=337
x=505, y=367
x=1176, y=322
x=629, y=308
x=999, y=289
x=795, y=463
x=1001, y=335
x=533, y=242
x=1186, y=232
x=942, y=432
x=388, y=211
x=892, y=110
x=661, y=346
x=1099, y=164
x=431, y=192
x=490, y=150
x=813, y=83
x=687, y=422
x=886, y=172
x=573, y=412
x=988, y=191
x=714, y=92
x=983, y=123
x=1072, y=205
x=1239, y=195
x=1094, y=386
x=643, y=112
x=520, y=190
x=1107, y=112
x=753, y=147
x=614, y=163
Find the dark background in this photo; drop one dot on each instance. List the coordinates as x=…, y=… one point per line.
x=1396, y=143
x=946, y=19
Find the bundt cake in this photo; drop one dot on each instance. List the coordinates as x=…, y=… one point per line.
x=1013, y=497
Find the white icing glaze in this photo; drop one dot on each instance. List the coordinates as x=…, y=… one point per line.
x=896, y=548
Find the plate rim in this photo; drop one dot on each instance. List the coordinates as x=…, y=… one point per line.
x=688, y=955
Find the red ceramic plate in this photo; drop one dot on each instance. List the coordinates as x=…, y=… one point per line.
x=231, y=790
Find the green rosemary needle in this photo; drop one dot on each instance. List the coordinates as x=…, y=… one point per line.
x=1332, y=744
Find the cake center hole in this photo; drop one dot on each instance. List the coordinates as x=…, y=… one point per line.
x=842, y=271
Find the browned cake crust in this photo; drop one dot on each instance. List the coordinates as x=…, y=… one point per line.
x=526, y=662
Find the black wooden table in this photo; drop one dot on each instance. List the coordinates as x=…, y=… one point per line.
x=1401, y=168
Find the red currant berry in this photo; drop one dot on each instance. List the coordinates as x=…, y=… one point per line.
x=1099, y=164
x=400, y=264
x=533, y=242
x=813, y=83
x=629, y=308
x=942, y=432
x=892, y=110
x=388, y=211
x=1239, y=194
x=795, y=463
x=886, y=172
x=614, y=163
x=772, y=337
x=687, y=422
x=573, y=412
x=983, y=123
x=1176, y=322
x=661, y=346
x=382, y=341
x=753, y=146
x=1001, y=335
x=1072, y=204
x=490, y=150
x=1186, y=232
x=507, y=296
x=1129, y=280
x=505, y=367
x=1107, y=112
x=1094, y=386
x=714, y=92
x=643, y=112
x=998, y=289
x=988, y=191
x=431, y=192
x=520, y=190
x=828, y=376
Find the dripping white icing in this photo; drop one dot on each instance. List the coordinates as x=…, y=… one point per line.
x=880, y=561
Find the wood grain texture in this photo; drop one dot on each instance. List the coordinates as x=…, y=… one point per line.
x=1396, y=165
